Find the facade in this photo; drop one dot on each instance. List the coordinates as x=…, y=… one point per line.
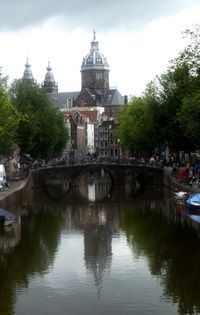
x=90, y=138
x=108, y=144
x=91, y=117
x=78, y=137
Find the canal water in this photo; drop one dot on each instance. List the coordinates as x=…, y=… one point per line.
x=98, y=250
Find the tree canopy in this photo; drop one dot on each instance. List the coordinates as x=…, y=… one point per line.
x=41, y=130
x=9, y=119
x=169, y=108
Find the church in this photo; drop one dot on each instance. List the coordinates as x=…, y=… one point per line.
x=87, y=110
x=95, y=90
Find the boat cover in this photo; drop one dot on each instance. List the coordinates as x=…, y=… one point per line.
x=194, y=200
x=5, y=214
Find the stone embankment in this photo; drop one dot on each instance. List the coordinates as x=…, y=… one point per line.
x=14, y=187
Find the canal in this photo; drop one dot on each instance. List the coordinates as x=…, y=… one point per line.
x=98, y=250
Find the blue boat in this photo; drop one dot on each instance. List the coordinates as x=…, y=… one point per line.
x=194, y=217
x=6, y=217
x=193, y=201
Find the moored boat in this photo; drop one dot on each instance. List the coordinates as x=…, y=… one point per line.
x=6, y=217
x=180, y=194
x=193, y=201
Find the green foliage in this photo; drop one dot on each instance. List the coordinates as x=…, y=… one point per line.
x=41, y=131
x=168, y=112
x=9, y=119
x=135, y=127
x=189, y=117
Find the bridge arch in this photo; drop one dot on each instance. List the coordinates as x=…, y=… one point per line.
x=118, y=174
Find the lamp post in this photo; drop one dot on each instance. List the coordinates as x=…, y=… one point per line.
x=118, y=149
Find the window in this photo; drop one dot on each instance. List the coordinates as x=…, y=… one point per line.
x=99, y=76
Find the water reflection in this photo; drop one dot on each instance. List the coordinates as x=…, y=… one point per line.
x=77, y=249
x=95, y=185
x=98, y=230
x=172, y=250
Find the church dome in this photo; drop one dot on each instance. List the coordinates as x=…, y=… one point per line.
x=95, y=59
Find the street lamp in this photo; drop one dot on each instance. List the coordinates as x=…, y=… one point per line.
x=118, y=149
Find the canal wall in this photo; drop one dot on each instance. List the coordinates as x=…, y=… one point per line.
x=16, y=194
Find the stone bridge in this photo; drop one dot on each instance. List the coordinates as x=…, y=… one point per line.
x=118, y=173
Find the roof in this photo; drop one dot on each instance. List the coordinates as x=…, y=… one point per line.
x=113, y=97
x=95, y=59
x=91, y=115
x=61, y=99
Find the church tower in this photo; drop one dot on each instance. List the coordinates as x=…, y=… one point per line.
x=49, y=85
x=28, y=76
x=94, y=77
x=95, y=69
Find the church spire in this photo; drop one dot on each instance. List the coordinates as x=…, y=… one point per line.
x=49, y=84
x=94, y=43
x=28, y=76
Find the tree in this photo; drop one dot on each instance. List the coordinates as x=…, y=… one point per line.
x=9, y=119
x=174, y=85
x=135, y=126
x=41, y=128
x=189, y=117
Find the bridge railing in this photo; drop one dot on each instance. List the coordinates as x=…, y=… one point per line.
x=100, y=160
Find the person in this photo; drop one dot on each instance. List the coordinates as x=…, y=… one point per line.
x=181, y=175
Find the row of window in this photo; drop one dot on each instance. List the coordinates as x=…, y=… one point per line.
x=109, y=153
x=105, y=143
x=105, y=129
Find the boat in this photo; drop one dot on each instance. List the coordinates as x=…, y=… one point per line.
x=6, y=217
x=180, y=194
x=193, y=201
x=194, y=217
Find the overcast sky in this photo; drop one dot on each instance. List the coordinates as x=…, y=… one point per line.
x=138, y=37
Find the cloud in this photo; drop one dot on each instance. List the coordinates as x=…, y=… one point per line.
x=112, y=14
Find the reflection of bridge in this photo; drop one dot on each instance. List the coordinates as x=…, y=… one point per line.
x=118, y=173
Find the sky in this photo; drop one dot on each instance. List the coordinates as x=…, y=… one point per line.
x=138, y=38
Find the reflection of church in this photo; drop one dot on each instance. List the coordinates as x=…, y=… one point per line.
x=98, y=227
x=98, y=244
